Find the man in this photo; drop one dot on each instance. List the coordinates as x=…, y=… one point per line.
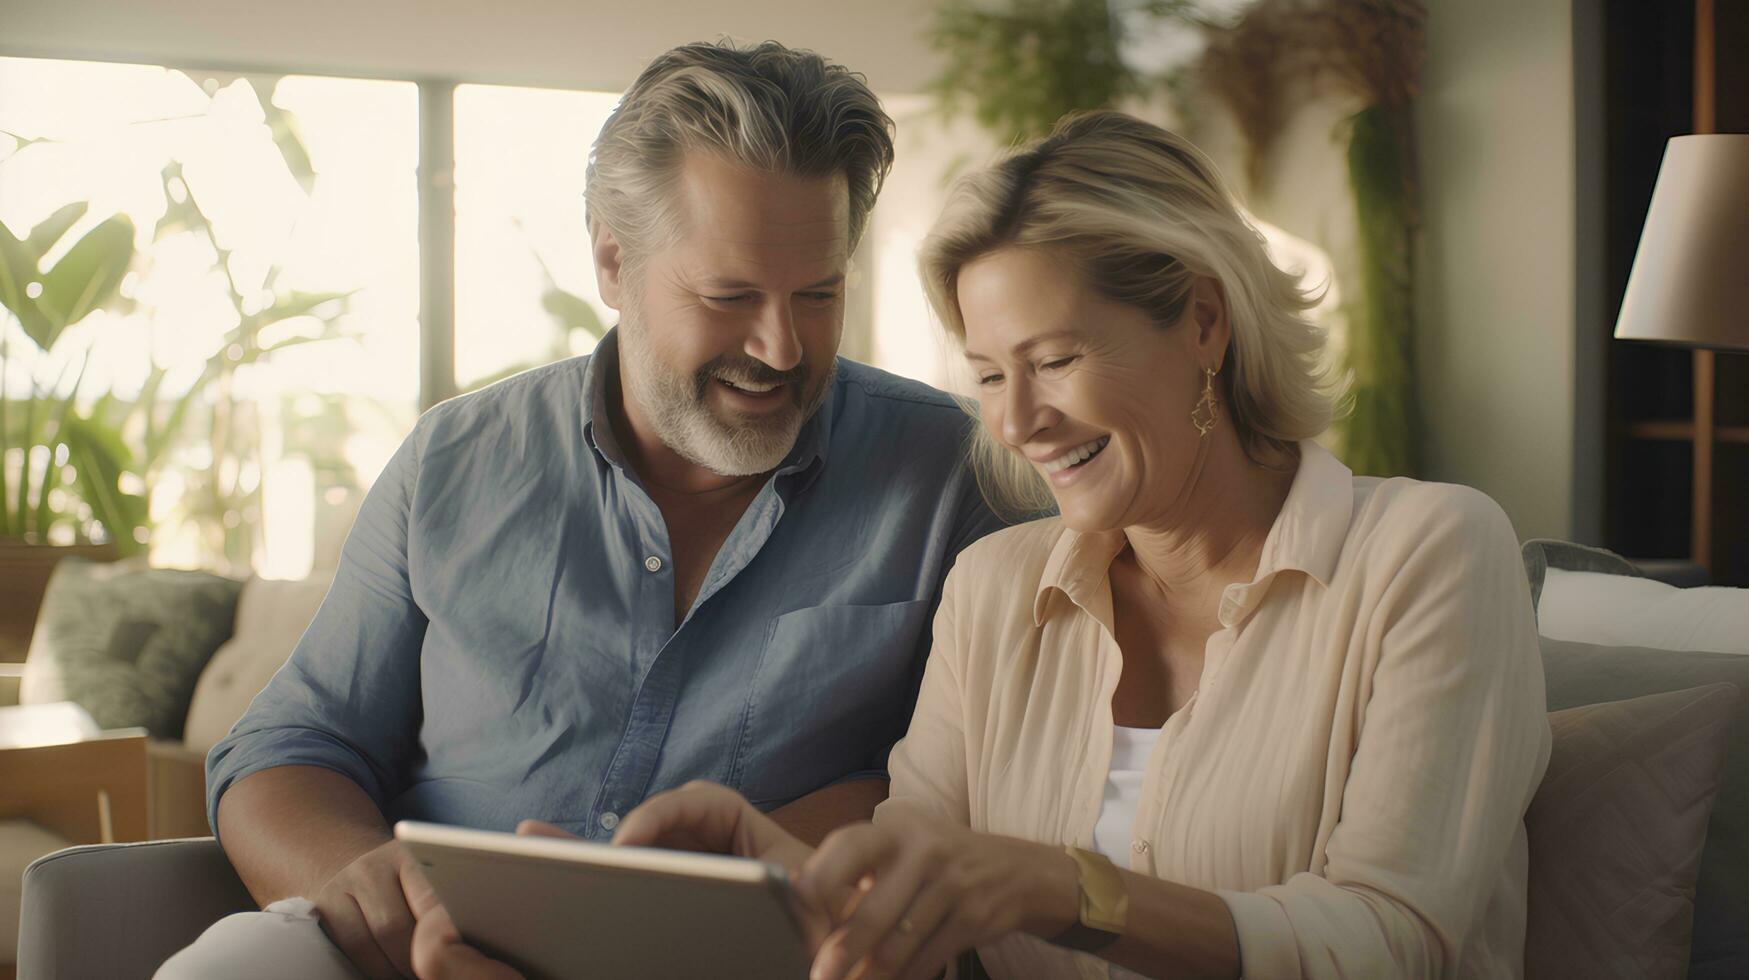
x=709, y=550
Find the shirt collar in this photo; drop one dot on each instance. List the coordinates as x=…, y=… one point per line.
x=1307, y=537
x=806, y=457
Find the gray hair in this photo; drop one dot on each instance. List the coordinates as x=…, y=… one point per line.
x=765, y=106
x=1142, y=214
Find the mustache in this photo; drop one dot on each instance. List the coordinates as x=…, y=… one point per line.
x=740, y=369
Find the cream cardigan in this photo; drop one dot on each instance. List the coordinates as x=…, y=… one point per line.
x=1351, y=775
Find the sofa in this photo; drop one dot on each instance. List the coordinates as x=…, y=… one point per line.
x=119, y=891
x=269, y=618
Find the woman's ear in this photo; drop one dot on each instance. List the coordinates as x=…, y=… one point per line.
x=609, y=264
x=1214, y=330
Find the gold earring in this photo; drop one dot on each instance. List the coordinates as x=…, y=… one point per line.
x=1207, y=411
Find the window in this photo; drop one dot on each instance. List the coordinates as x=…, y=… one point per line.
x=525, y=284
x=258, y=362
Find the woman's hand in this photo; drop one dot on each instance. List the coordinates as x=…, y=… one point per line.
x=910, y=894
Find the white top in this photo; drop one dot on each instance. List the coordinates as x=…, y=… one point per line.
x=1130, y=748
x=1123, y=792
x=1352, y=775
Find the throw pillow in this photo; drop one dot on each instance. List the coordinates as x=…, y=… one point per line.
x=1616, y=610
x=1616, y=832
x=127, y=643
x=1542, y=554
x=1580, y=674
x=271, y=618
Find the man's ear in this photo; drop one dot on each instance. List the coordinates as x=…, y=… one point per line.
x=1214, y=329
x=609, y=264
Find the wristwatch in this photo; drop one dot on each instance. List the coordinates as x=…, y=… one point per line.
x=1105, y=903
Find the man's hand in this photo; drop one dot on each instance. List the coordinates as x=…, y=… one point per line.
x=440, y=954
x=366, y=910
x=705, y=816
x=438, y=950
x=699, y=816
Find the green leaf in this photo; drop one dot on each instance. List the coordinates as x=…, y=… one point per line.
x=572, y=311
x=100, y=458
x=88, y=275
x=18, y=269
x=297, y=304
x=158, y=439
x=284, y=127
x=44, y=236
x=29, y=441
x=179, y=216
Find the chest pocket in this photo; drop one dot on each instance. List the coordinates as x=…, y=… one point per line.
x=830, y=694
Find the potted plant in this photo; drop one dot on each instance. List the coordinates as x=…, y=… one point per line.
x=76, y=463
x=44, y=434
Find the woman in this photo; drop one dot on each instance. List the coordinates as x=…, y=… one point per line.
x=1235, y=712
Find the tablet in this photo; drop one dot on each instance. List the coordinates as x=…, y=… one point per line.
x=560, y=909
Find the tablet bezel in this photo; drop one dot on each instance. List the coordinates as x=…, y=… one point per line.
x=760, y=892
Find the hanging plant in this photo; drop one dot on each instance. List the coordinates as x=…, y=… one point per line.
x=1279, y=53
x=1019, y=67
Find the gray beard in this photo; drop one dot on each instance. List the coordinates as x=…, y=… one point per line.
x=675, y=404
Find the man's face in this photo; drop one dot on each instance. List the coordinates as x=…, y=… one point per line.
x=729, y=337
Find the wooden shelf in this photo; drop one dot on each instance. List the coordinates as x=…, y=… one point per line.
x=1682, y=430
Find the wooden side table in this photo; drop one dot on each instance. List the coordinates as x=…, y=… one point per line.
x=89, y=788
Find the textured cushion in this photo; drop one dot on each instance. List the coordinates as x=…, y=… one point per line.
x=127, y=643
x=271, y=616
x=1578, y=674
x=1616, y=834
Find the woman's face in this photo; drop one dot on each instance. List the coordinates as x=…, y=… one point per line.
x=1093, y=393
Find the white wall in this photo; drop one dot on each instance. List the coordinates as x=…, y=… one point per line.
x=589, y=44
x=1496, y=338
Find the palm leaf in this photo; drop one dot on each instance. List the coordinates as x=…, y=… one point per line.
x=88, y=275
x=100, y=458
x=572, y=311
x=18, y=269
x=49, y=231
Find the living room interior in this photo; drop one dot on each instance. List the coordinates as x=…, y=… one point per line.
x=244, y=245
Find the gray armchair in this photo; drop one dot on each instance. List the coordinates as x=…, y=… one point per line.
x=120, y=910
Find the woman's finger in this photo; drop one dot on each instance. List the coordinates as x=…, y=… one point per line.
x=936, y=952
x=831, y=878
x=882, y=912
x=897, y=953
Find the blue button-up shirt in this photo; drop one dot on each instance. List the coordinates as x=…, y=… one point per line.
x=499, y=640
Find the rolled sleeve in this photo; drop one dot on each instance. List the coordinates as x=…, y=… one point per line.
x=348, y=699
x=1453, y=744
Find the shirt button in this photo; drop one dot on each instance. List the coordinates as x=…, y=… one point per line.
x=653, y=563
x=610, y=820
x=1139, y=846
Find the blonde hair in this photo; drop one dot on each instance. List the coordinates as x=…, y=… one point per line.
x=1142, y=214
x=767, y=106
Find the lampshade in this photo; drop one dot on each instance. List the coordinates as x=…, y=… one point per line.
x=1690, y=284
